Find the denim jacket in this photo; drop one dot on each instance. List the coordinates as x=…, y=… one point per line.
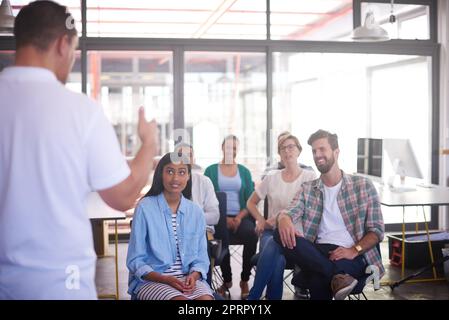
x=152, y=245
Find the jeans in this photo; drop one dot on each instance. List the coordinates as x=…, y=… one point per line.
x=266, y=235
x=269, y=272
x=317, y=270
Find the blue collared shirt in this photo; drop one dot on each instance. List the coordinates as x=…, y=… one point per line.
x=152, y=244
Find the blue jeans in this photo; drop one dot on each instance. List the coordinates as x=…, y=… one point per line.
x=317, y=270
x=270, y=270
x=266, y=235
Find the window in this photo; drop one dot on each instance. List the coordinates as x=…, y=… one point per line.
x=310, y=19
x=6, y=59
x=122, y=81
x=355, y=95
x=225, y=93
x=219, y=19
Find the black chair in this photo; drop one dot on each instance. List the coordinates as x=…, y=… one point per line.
x=357, y=293
x=221, y=249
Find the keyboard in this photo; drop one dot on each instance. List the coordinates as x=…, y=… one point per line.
x=402, y=189
x=425, y=185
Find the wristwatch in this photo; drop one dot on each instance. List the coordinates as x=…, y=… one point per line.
x=358, y=248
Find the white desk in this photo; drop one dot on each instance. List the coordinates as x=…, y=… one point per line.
x=97, y=209
x=422, y=196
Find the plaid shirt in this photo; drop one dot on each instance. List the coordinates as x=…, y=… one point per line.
x=359, y=205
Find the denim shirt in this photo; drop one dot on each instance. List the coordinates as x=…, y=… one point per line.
x=152, y=245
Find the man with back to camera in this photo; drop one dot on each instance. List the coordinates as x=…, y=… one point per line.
x=56, y=147
x=342, y=222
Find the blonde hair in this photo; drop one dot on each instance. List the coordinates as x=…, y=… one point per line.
x=285, y=137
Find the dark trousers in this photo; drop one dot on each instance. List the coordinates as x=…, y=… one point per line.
x=244, y=235
x=317, y=270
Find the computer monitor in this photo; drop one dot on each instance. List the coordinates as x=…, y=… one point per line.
x=402, y=158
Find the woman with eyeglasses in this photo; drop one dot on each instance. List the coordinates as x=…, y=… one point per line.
x=167, y=254
x=279, y=188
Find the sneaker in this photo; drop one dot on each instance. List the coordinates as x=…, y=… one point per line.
x=245, y=289
x=342, y=285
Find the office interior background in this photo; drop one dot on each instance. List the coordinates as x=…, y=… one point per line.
x=255, y=68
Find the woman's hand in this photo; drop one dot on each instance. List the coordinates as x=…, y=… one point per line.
x=237, y=221
x=260, y=226
x=287, y=231
x=190, y=282
x=230, y=223
x=270, y=223
x=174, y=282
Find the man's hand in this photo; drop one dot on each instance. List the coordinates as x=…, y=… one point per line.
x=190, y=282
x=287, y=231
x=343, y=253
x=148, y=131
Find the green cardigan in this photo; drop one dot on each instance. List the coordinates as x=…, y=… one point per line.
x=246, y=189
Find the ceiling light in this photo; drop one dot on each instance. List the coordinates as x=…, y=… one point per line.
x=370, y=31
x=6, y=17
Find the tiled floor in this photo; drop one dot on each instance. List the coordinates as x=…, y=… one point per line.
x=417, y=291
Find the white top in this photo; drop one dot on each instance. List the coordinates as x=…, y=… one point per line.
x=203, y=194
x=279, y=192
x=332, y=228
x=55, y=147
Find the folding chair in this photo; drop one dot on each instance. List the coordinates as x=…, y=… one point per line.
x=220, y=251
x=372, y=274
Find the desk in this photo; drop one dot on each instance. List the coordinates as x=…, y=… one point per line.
x=98, y=210
x=422, y=196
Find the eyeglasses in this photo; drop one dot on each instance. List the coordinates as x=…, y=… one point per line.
x=289, y=147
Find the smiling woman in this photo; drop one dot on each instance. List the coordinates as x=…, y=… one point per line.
x=167, y=225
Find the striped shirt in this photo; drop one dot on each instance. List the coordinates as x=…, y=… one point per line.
x=176, y=268
x=359, y=206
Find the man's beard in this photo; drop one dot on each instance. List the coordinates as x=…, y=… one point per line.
x=326, y=166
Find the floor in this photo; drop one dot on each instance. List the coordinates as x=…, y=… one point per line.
x=417, y=291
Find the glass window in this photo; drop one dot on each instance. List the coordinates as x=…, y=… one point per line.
x=73, y=82
x=6, y=59
x=355, y=96
x=122, y=81
x=219, y=19
x=412, y=21
x=310, y=19
x=74, y=7
x=225, y=93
